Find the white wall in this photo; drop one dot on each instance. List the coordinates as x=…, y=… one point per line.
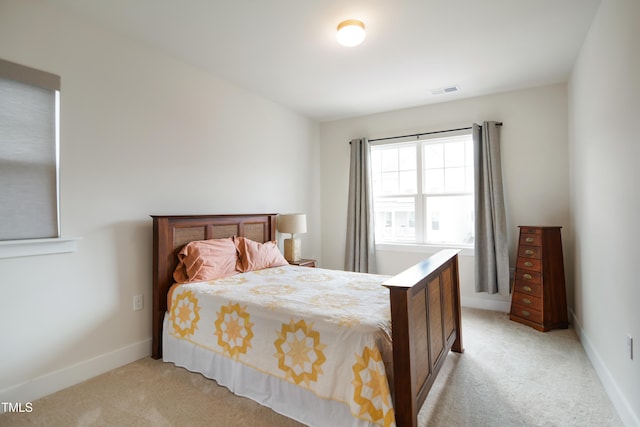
x=604, y=105
x=141, y=134
x=535, y=169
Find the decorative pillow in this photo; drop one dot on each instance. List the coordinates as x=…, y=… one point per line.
x=256, y=256
x=206, y=260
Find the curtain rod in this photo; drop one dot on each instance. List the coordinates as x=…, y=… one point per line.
x=425, y=133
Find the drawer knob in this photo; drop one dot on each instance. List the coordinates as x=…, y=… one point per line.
x=526, y=313
x=529, y=239
x=527, y=276
x=528, y=252
x=526, y=300
x=528, y=264
x=527, y=288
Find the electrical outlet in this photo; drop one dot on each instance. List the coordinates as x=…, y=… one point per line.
x=630, y=346
x=138, y=302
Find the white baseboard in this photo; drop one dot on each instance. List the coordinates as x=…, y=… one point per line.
x=486, y=304
x=74, y=374
x=622, y=405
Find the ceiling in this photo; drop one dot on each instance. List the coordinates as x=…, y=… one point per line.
x=285, y=50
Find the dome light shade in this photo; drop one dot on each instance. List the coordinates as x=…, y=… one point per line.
x=350, y=32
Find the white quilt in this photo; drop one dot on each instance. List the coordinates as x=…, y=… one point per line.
x=326, y=331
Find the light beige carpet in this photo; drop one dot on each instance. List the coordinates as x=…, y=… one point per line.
x=509, y=375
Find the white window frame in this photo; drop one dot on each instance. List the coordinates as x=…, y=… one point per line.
x=420, y=199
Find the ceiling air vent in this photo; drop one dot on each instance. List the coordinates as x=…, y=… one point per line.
x=446, y=89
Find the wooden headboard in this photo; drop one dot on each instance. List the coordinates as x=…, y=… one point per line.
x=170, y=233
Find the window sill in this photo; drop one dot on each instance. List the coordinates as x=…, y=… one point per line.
x=424, y=249
x=32, y=247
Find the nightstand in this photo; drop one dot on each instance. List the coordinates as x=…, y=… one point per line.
x=304, y=263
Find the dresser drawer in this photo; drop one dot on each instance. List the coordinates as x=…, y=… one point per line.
x=529, y=251
x=526, y=288
x=526, y=313
x=531, y=264
x=530, y=230
x=527, y=301
x=528, y=276
x=530, y=239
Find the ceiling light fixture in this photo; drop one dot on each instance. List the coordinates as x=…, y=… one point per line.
x=350, y=32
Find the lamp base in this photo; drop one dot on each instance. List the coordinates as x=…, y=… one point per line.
x=292, y=250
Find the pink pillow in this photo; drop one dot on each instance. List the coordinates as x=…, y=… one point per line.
x=206, y=260
x=256, y=256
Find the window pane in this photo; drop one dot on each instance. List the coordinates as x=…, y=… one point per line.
x=454, y=179
x=450, y=219
x=395, y=219
x=407, y=158
x=469, y=179
x=389, y=159
x=408, y=182
x=433, y=156
x=376, y=183
x=468, y=148
x=393, y=170
x=433, y=181
x=375, y=160
x=454, y=154
x=390, y=183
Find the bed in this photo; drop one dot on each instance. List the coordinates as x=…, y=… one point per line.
x=424, y=311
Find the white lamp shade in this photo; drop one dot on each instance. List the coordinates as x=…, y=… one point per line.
x=350, y=33
x=292, y=223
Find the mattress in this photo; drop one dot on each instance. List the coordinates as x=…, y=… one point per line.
x=313, y=344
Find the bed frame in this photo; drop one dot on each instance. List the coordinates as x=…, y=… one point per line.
x=425, y=301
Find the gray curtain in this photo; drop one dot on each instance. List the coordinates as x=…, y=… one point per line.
x=491, y=246
x=360, y=253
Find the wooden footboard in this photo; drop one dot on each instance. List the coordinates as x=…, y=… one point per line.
x=426, y=324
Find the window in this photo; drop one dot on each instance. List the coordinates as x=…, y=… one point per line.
x=423, y=191
x=29, y=101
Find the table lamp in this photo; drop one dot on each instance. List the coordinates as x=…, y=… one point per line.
x=292, y=223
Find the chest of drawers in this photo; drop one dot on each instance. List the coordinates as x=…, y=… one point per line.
x=539, y=295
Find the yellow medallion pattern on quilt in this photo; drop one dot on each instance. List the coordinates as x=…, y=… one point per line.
x=314, y=277
x=371, y=388
x=337, y=301
x=270, y=271
x=234, y=330
x=230, y=280
x=273, y=290
x=299, y=352
x=325, y=331
x=185, y=314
